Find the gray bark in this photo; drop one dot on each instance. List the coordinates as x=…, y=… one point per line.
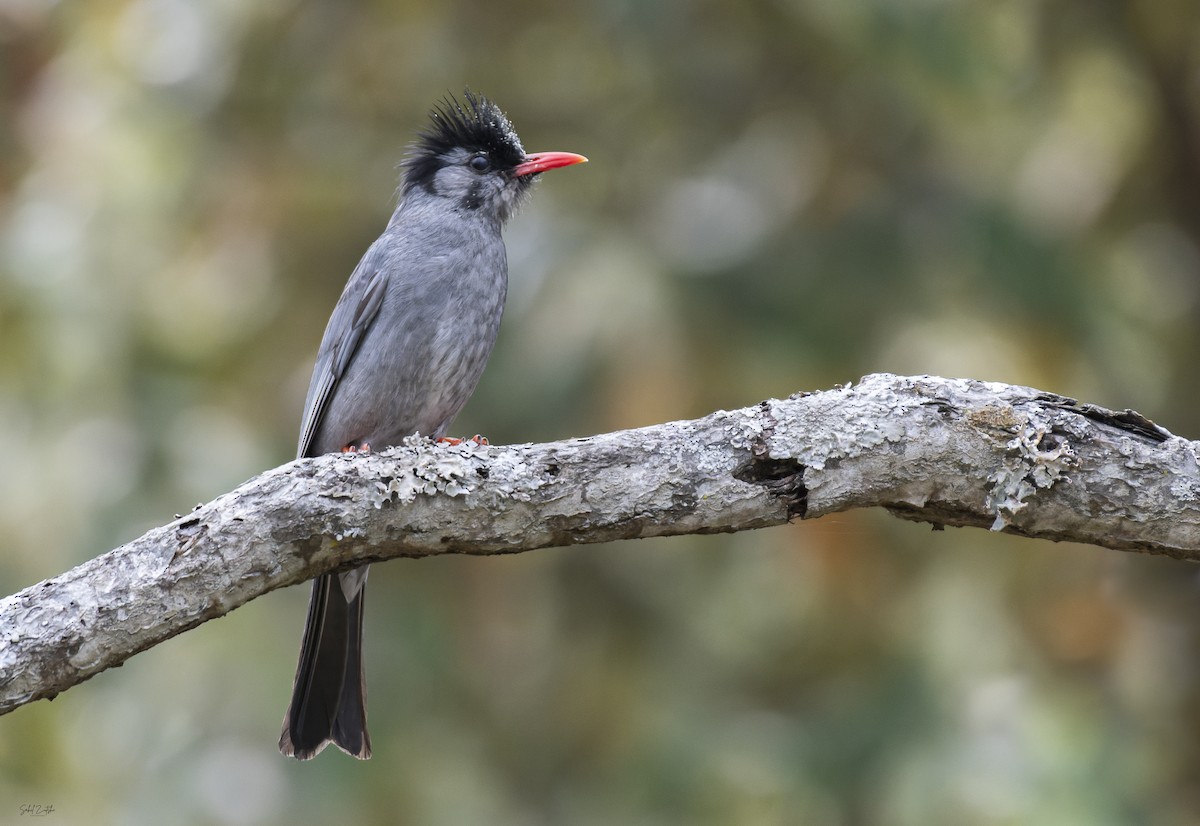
x=944, y=451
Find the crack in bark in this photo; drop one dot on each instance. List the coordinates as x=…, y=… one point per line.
x=782, y=478
x=1128, y=421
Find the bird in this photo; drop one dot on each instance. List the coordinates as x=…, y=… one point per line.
x=403, y=351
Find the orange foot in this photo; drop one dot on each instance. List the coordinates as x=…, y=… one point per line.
x=353, y=448
x=477, y=439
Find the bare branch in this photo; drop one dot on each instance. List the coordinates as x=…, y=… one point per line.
x=945, y=451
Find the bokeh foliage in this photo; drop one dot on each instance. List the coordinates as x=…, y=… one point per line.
x=783, y=194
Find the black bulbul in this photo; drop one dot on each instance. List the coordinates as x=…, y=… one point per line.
x=401, y=355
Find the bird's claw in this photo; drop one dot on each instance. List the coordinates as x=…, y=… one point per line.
x=477, y=439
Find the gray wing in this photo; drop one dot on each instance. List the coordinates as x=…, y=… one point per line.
x=355, y=310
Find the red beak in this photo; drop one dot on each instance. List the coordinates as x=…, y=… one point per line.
x=541, y=161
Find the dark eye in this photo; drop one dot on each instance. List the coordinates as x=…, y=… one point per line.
x=480, y=163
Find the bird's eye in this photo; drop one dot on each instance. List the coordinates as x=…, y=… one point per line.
x=480, y=163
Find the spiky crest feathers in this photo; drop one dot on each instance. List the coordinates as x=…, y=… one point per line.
x=477, y=126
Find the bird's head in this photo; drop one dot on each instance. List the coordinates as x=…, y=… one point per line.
x=471, y=155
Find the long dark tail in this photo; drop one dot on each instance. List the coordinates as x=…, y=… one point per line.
x=329, y=697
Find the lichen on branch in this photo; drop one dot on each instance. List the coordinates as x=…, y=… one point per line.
x=950, y=452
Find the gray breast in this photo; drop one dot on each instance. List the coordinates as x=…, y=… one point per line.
x=422, y=356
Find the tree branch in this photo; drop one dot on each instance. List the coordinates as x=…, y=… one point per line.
x=945, y=451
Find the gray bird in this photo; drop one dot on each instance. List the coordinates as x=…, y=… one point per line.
x=403, y=351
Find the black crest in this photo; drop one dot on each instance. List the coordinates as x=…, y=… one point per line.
x=477, y=126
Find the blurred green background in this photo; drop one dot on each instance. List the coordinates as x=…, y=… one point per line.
x=783, y=195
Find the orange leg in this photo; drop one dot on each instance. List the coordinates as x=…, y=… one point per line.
x=477, y=439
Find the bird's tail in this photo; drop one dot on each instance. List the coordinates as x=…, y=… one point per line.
x=329, y=697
